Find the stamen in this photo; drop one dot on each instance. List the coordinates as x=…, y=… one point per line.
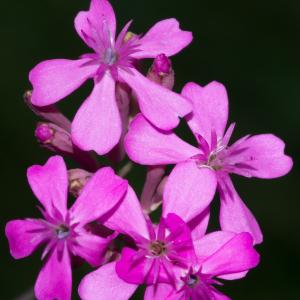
x=110, y=57
x=158, y=248
x=62, y=232
x=192, y=280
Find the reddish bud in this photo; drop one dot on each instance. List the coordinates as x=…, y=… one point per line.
x=162, y=65
x=44, y=133
x=161, y=72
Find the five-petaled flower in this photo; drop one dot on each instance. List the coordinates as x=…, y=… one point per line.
x=259, y=156
x=97, y=124
x=63, y=230
x=175, y=259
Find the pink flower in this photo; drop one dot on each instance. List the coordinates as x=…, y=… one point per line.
x=97, y=124
x=220, y=255
x=158, y=251
x=259, y=156
x=62, y=230
x=176, y=260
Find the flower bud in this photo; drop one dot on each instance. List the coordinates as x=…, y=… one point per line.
x=58, y=140
x=44, y=133
x=161, y=71
x=54, y=138
x=162, y=65
x=77, y=180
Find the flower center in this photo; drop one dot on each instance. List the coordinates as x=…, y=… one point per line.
x=158, y=248
x=62, y=232
x=110, y=56
x=192, y=280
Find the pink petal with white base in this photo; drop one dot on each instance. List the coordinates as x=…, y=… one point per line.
x=24, y=236
x=235, y=216
x=164, y=37
x=97, y=125
x=237, y=255
x=55, y=278
x=96, y=23
x=53, y=80
x=159, y=105
x=210, y=108
x=101, y=193
x=147, y=145
x=49, y=183
x=260, y=156
x=189, y=190
x=104, y=284
x=128, y=216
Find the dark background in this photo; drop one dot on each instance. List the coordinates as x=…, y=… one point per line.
x=250, y=46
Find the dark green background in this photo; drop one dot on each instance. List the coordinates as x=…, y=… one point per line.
x=250, y=46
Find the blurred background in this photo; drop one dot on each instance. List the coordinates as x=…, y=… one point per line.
x=250, y=46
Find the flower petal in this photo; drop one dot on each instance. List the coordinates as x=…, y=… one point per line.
x=235, y=216
x=181, y=235
x=53, y=80
x=130, y=270
x=211, y=243
x=101, y=193
x=24, y=236
x=235, y=256
x=162, y=291
x=49, y=183
x=199, y=224
x=210, y=108
x=104, y=284
x=97, y=125
x=91, y=248
x=55, y=278
x=159, y=105
x=128, y=217
x=260, y=156
x=97, y=24
x=164, y=37
x=148, y=145
x=189, y=190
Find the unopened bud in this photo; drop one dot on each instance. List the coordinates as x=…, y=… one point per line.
x=44, y=133
x=161, y=71
x=162, y=65
x=58, y=140
x=54, y=138
x=77, y=180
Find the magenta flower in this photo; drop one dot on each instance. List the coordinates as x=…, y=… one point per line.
x=259, y=156
x=159, y=251
x=62, y=230
x=220, y=255
x=97, y=124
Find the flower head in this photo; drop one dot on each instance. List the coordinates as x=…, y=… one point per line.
x=97, y=125
x=62, y=230
x=259, y=156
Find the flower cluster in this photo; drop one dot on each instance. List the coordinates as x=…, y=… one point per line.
x=128, y=113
